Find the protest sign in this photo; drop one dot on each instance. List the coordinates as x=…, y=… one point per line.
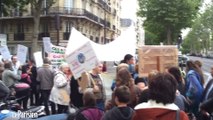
x=5, y=52
x=38, y=58
x=3, y=39
x=47, y=44
x=56, y=56
x=81, y=60
x=22, y=53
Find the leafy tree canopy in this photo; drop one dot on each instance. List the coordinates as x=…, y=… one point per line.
x=171, y=15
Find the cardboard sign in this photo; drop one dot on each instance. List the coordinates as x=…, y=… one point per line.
x=81, y=60
x=38, y=58
x=3, y=39
x=56, y=56
x=47, y=44
x=22, y=53
x=156, y=58
x=5, y=52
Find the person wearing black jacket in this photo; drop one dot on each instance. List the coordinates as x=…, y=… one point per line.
x=32, y=71
x=206, y=106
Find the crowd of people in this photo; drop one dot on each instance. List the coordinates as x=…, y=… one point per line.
x=168, y=95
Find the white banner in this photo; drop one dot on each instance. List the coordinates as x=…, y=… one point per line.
x=22, y=53
x=81, y=60
x=5, y=52
x=3, y=39
x=47, y=44
x=38, y=58
x=56, y=56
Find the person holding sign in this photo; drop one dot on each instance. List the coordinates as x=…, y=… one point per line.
x=93, y=82
x=15, y=65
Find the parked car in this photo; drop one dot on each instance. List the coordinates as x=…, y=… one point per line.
x=182, y=59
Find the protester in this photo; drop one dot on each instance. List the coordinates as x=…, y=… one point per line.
x=15, y=65
x=124, y=77
x=8, y=76
x=129, y=59
x=89, y=111
x=45, y=76
x=207, y=102
x=121, y=111
x=32, y=71
x=94, y=83
x=76, y=96
x=60, y=93
x=194, y=87
x=162, y=90
x=141, y=82
x=180, y=100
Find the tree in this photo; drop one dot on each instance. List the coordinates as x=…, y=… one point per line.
x=171, y=15
x=200, y=36
x=37, y=7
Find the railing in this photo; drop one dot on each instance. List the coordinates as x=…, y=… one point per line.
x=19, y=36
x=66, y=35
x=41, y=35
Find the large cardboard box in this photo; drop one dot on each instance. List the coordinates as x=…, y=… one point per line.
x=156, y=58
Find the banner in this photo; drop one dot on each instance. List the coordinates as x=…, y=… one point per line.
x=56, y=56
x=47, y=44
x=5, y=52
x=3, y=39
x=113, y=51
x=38, y=58
x=22, y=53
x=83, y=59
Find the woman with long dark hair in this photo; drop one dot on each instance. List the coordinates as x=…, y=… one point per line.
x=194, y=86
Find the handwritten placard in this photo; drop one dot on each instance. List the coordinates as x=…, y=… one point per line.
x=22, y=53
x=81, y=60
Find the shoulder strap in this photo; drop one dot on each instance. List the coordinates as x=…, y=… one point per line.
x=178, y=115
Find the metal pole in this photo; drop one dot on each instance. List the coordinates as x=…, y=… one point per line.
x=1, y=10
x=58, y=28
x=104, y=26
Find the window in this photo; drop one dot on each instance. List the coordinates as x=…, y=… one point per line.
x=44, y=27
x=68, y=26
x=20, y=28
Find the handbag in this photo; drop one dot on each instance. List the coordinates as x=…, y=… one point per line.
x=72, y=109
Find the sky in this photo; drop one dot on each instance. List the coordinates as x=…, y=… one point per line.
x=129, y=9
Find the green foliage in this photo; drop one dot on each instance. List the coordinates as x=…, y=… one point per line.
x=201, y=32
x=170, y=15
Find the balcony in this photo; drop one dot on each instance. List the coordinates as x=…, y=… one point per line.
x=66, y=35
x=19, y=37
x=41, y=35
x=73, y=11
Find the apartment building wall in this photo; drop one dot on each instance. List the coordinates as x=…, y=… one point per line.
x=86, y=16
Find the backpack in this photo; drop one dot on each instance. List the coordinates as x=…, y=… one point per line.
x=79, y=115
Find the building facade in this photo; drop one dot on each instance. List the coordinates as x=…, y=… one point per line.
x=98, y=20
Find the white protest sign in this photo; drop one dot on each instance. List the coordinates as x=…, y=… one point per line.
x=56, y=56
x=47, y=44
x=5, y=52
x=22, y=53
x=81, y=60
x=38, y=58
x=3, y=39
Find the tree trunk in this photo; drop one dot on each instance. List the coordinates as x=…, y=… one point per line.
x=36, y=19
x=169, y=36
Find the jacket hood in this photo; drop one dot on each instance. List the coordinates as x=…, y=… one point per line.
x=153, y=110
x=117, y=114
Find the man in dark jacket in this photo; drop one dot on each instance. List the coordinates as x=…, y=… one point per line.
x=122, y=111
x=206, y=106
